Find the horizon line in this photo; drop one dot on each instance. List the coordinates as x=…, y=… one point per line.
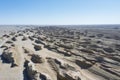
x=57, y=24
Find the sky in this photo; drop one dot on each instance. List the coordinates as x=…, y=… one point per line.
x=59, y=12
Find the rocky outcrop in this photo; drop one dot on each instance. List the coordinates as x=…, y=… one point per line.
x=25, y=50
x=109, y=50
x=20, y=34
x=87, y=51
x=63, y=71
x=5, y=35
x=32, y=74
x=83, y=64
x=14, y=39
x=24, y=38
x=8, y=57
x=39, y=42
x=37, y=47
x=53, y=64
x=51, y=47
x=62, y=51
x=37, y=59
x=68, y=75
x=66, y=46
x=3, y=46
x=31, y=38
x=30, y=71
x=64, y=65
x=9, y=42
x=44, y=76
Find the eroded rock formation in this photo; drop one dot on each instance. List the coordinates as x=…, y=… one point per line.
x=61, y=53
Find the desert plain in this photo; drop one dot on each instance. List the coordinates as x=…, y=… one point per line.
x=30, y=52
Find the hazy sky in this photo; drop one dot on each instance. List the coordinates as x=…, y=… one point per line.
x=59, y=12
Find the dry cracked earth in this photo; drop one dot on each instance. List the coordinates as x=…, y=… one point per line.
x=60, y=53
